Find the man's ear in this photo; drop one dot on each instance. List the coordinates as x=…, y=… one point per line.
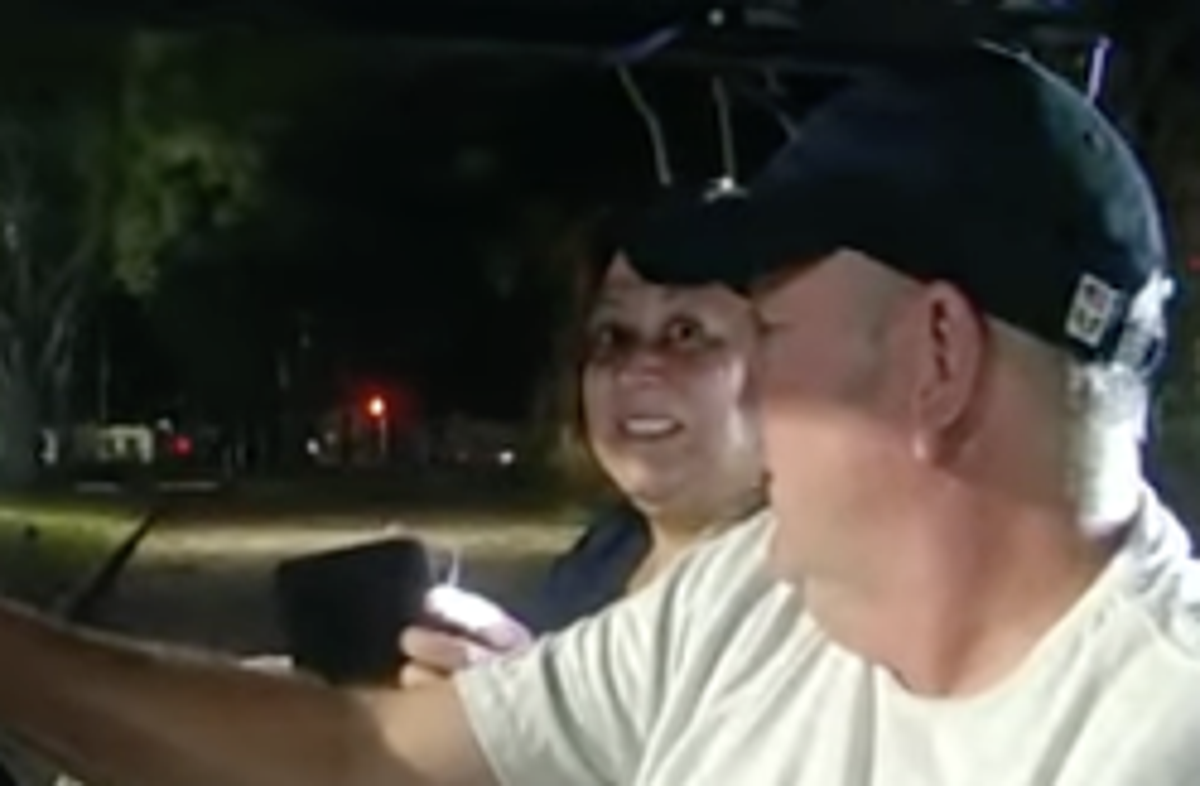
x=951, y=339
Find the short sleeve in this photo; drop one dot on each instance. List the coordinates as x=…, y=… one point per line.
x=577, y=708
x=580, y=707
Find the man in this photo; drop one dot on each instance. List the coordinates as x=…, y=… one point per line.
x=958, y=274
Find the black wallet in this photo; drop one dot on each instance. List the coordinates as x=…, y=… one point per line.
x=342, y=611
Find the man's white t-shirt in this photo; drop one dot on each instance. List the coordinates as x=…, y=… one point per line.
x=715, y=676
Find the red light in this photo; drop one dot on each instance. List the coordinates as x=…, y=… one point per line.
x=376, y=407
x=181, y=445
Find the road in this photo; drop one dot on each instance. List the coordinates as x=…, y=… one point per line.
x=210, y=585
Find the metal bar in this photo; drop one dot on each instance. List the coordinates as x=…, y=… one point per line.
x=795, y=51
x=82, y=602
x=792, y=57
x=461, y=30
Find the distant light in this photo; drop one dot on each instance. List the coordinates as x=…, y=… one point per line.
x=507, y=458
x=181, y=445
x=376, y=407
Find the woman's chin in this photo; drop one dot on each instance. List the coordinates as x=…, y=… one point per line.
x=656, y=498
x=654, y=483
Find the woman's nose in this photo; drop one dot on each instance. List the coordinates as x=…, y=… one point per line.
x=643, y=360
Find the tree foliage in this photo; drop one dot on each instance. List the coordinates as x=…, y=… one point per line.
x=117, y=149
x=149, y=137
x=186, y=159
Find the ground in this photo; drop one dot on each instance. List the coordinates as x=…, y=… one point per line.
x=211, y=586
x=51, y=549
x=203, y=575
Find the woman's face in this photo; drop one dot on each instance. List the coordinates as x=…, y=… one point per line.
x=664, y=394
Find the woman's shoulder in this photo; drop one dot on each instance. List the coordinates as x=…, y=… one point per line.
x=613, y=540
x=595, y=569
x=606, y=528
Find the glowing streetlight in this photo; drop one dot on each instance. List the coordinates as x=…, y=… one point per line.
x=377, y=411
x=376, y=407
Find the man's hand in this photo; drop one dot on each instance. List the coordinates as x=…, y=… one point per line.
x=464, y=630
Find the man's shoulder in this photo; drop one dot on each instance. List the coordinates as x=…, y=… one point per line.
x=725, y=587
x=749, y=539
x=737, y=557
x=1151, y=672
x=1169, y=607
x=1161, y=588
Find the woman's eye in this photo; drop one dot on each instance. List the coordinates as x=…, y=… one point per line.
x=686, y=334
x=605, y=339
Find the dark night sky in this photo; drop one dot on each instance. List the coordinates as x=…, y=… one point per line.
x=392, y=189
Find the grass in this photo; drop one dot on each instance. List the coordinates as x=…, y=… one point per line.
x=51, y=544
x=48, y=548
x=449, y=498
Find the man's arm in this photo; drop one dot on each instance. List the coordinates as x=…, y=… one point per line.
x=115, y=713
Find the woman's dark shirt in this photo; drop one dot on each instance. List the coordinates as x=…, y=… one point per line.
x=594, y=572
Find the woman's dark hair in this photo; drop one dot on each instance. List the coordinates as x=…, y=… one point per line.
x=588, y=252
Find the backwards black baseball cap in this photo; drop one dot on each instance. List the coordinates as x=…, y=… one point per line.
x=976, y=167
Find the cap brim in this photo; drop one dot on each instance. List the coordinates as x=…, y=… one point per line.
x=735, y=239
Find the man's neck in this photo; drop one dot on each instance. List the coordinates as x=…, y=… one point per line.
x=973, y=605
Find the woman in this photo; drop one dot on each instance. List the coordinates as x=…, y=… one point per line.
x=661, y=375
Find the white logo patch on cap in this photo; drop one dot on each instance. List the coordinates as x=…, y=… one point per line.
x=1146, y=325
x=1094, y=307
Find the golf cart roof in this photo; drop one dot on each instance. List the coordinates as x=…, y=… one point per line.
x=787, y=34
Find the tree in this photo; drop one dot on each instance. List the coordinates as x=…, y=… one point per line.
x=114, y=148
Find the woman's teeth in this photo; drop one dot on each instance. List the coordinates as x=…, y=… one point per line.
x=650, y=426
